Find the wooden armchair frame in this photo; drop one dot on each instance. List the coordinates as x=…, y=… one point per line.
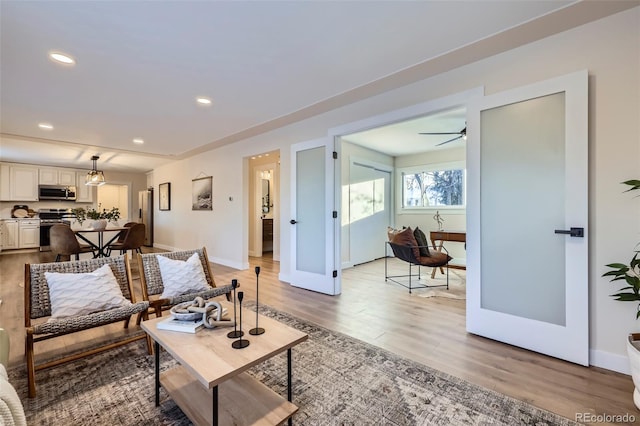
x=37, y=305
x=152, y=286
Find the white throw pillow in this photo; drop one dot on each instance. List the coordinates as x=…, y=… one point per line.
x=84, y=293
x=180, y=277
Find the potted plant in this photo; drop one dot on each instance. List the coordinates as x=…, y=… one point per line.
x=99, y=219
x=630, y=274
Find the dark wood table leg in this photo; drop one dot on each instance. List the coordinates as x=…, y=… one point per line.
x=289, y=393
x=156, y=348
x=215, y=406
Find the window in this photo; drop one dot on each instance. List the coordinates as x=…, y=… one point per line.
x=434, y=187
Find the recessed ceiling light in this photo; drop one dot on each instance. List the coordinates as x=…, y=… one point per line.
x=266, y=155
x=62, y=58
x=45, y=126
x=138, y=141
x=203, y=101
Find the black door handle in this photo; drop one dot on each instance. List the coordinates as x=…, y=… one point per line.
x=293, y=221
x=574, y=232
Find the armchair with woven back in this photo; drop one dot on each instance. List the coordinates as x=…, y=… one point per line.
x=62, y=298
x=174, y=277
x=68, y=297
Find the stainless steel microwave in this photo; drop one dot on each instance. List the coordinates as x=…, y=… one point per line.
x=57, y=192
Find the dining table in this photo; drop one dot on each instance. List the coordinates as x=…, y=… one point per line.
x=101, y=246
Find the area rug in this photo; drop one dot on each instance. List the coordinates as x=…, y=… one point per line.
x=338, y=380
x=457, y=285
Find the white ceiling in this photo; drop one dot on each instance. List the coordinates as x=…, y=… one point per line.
x=404, y=138
x=140, y=66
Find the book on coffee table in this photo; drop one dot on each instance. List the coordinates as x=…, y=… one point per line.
x=173, y=324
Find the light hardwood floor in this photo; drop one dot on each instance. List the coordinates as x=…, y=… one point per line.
x=428, y=330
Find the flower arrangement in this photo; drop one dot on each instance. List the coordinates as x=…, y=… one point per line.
x=111, y=215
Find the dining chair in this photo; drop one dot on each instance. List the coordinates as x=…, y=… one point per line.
x=63, y=242
x=133, y=239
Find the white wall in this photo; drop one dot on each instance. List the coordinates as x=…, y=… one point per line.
x=609, y=49
x=348, y=152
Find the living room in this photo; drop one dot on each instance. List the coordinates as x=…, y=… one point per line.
x=613, y=145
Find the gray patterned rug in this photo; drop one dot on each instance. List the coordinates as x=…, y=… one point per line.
x=338, y=380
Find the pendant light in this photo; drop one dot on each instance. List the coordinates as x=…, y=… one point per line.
x=95, y=177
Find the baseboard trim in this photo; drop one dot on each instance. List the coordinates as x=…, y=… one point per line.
x=613, y=362
x=230, y=264
x=164, y=247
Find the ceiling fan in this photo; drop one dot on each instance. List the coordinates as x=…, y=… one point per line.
x=461, y=134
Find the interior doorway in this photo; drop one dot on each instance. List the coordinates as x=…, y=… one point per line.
x=264, y=205
x=112, y=195
x=423, y=150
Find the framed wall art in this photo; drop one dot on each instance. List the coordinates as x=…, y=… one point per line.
x=164, y=196
x=202, y=193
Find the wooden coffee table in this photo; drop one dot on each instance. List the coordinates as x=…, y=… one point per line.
x=210, y=384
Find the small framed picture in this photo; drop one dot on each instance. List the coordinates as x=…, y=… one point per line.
x=202, y=193
x=164, y=196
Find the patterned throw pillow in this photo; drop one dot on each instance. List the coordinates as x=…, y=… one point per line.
x=182, y=277
x=84, y=293
x=422, y=242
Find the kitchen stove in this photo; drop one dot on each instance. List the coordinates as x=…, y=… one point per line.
x=48, y=218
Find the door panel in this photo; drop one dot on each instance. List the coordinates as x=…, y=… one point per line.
x=528, y=170
x=313, y=232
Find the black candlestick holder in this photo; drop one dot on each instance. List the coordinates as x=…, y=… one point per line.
x=258, y=330
x=235, y=333
x=240, y=343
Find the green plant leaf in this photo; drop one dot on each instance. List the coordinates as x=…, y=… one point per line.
x=626, y=297
x=634, y=183
x=617, y=266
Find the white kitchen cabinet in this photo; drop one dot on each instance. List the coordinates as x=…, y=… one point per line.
x=18, y=182
x=29, y=233
x=53, y=176
x=84, y=193
x=5, y=188
x=24, y=183
x=10, y=234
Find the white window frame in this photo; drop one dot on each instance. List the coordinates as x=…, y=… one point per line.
x=453, y=165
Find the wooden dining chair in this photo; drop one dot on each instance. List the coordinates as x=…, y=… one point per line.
x=63, y=242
